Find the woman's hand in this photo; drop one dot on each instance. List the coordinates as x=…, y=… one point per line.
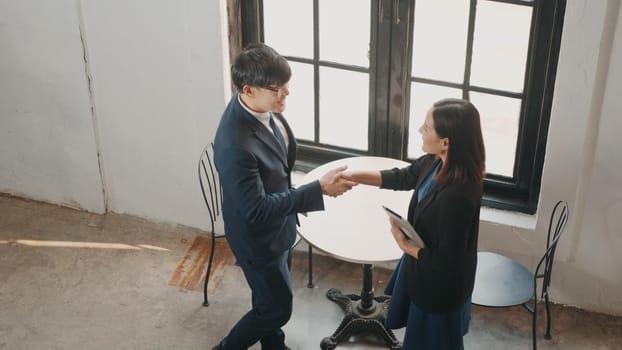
x=402, y=241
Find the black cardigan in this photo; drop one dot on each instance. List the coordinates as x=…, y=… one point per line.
x=447, y=219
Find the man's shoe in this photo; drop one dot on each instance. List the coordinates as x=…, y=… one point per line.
x=217, y=347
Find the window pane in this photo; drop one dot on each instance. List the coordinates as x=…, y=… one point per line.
x=439, y=41
x=300, y=107
x=422, y=97
x=279, y=22
x=344, y=108
x=499, y=117
x=500, y=45
x=344, y=31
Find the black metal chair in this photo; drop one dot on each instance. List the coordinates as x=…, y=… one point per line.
x=212, y=195
x=503, y=282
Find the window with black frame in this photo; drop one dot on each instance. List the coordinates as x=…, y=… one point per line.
x=366, y=71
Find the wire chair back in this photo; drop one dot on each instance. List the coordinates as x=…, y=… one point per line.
x=212, y=195
x=557, y=223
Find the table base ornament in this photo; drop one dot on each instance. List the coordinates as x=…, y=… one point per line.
x=364, y=314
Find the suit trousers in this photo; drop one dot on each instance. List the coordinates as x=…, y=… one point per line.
x=270, y=284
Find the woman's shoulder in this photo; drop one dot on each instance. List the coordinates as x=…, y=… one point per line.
x=467, y=190
x=424, y=161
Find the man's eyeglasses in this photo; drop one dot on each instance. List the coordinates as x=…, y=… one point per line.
x=279, y=91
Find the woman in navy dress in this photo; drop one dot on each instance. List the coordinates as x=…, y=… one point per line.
x=431, y=287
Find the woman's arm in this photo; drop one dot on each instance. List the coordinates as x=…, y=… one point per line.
x=371, y=178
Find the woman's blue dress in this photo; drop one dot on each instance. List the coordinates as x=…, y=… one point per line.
x=424, y=330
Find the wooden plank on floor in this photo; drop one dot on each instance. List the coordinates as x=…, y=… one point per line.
x=190, y=272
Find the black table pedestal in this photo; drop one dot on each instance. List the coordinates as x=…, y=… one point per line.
x=364, y=314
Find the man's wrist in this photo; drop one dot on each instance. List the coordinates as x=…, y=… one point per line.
x=324, y=186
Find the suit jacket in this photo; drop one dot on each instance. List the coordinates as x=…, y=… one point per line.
x=447, y=219
x=259, y=205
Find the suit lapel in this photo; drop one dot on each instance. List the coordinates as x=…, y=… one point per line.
x=264, y=136
x=293, y=146
x=268, y=139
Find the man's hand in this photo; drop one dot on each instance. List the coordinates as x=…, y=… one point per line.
x=334, y=184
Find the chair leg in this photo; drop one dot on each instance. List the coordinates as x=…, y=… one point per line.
x=310, y=256
x=547, y=335
x=534, y=323
x=209, y=268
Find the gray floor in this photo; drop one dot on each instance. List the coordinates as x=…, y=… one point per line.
x=74, y=280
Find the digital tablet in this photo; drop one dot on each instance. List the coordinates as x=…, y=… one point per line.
x=406, y=227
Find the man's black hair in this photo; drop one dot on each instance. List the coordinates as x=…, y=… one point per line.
x=260, y=65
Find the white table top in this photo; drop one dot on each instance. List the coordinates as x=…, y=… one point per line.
x=353, y=227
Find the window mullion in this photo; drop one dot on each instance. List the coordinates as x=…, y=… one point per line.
x=469, y=50
x=402, y=18
x=316, y=70
x=380, y=50
x=252, y=23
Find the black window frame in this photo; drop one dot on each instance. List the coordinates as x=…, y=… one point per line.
x=390, y=89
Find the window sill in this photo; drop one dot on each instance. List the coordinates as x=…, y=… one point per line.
x=508, y=218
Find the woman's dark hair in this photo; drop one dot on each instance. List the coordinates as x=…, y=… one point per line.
x=458, y=120
x=259, y=65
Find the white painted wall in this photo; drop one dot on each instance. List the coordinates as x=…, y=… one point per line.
x=47, y=148
x=600, y=234
x=591, y=270
x=159, y=87
x=160, y=82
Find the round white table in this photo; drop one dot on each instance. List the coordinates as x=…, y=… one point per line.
x=353, y=227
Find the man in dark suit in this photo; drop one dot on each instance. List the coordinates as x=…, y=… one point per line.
x=254, y=153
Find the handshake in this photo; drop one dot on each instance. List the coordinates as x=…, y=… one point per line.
x=336, y=182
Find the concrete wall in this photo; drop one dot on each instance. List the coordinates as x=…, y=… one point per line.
x=159, y=88
x=47, y=143
x=142, y=84
x=139, y=83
